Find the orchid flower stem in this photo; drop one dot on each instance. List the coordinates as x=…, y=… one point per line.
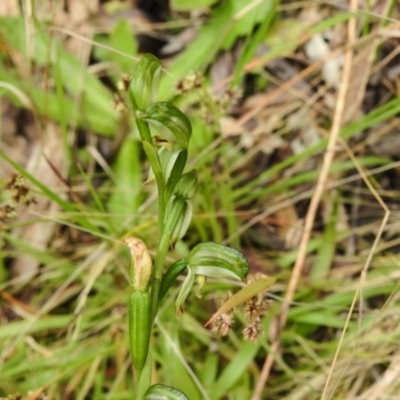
x=158, y=268
x=164, y=236
x=144, y=129
x=161, y=255
x=167, y=166
x=144, y=132
x=176, y=188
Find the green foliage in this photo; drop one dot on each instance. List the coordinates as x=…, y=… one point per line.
x=123, y=40
x=126, y=196
x=94, y=112
x=226, y=25
x=234, y=371
x=189, y=5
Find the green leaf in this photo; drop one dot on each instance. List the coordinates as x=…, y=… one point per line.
x=176, y=173
x=173, y=272
x=200, y=51
x=71, y=207
x=145, y=378
x=12, y=329
x=144, y=83
x=162, y=392
x=228, y=22
x=95, y=110
x=244, y=19
x=167, y=161
x=252, y=42
x=171, y=123
x=127, y=194
x=123, y=40
x=326, y=251
x=322, y=318
x=189, y=5
x=235, y=369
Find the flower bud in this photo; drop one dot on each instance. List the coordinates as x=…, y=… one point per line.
x=172, y=124
x=174, y=213
x=211, y=260
x=160, y=392
x=217, y=261
x=188, y=185
x=182, y=223
x=144, y=83
x=141, y=265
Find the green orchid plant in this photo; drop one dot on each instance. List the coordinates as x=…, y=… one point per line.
x=167, y=152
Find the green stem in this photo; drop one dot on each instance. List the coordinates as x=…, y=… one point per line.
x=165, y=225
x=158, y=268
x=164, y=235
x=145, y=135
x=144, y=129
x=168, y=227
x=163, y=241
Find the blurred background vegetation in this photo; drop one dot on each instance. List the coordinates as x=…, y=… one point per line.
x=261, y=81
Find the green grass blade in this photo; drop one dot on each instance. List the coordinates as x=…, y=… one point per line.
x=235, y=369
x=50, y=194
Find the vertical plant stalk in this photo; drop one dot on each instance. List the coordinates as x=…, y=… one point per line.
x=158, y=268
x=175, y=189
x=145, y=134
x=163, y=238
x=164, y=242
